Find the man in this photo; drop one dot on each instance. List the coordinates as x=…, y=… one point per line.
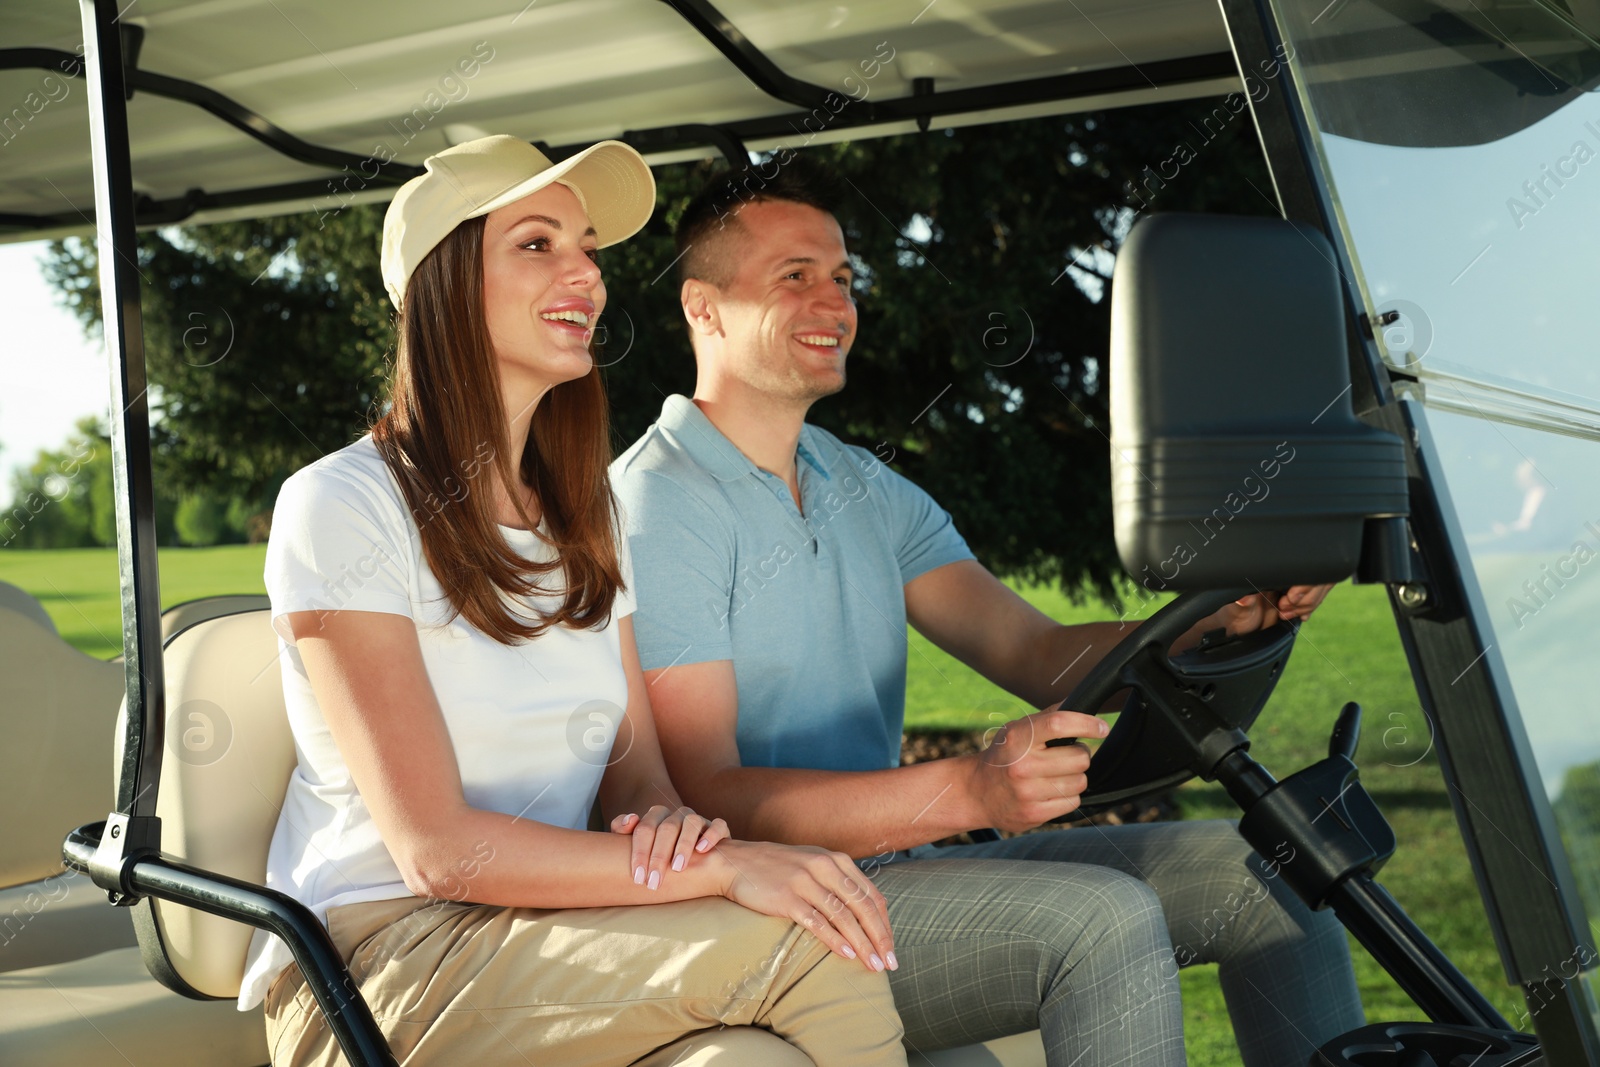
x=776, y=571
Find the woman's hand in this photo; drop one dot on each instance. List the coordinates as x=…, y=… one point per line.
x=664, y=836
x=825, y=892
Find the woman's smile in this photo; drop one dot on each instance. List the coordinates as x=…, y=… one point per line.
x=542, y=290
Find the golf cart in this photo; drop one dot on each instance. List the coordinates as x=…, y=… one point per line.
x=1427, y=158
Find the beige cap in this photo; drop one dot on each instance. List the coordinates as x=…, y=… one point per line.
x=610, y=180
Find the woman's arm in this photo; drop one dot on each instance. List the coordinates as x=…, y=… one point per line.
x=637, y=796
x=367, y=672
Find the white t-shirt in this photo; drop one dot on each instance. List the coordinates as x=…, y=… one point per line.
x=531, y=724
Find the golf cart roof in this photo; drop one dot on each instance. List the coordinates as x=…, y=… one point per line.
x=250, y=107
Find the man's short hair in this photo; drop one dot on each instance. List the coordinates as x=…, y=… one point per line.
x=709, y=228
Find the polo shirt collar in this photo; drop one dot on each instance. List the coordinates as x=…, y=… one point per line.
x=810, y=456
x=708, y=447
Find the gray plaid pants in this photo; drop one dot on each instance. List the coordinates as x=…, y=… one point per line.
x=1087, y=947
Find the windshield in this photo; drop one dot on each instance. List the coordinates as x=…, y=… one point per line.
x=1461, y=142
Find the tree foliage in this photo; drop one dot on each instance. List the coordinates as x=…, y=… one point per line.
x=264, y=343
x=63, y=499
x=200, y=520
x=979, y=371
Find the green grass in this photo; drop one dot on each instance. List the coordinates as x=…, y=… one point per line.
x=79, y=585
x=1348, y=651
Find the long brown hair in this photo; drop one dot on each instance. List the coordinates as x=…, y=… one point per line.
x=445, y=435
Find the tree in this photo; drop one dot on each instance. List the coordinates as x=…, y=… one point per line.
x=64, y=498
x=264, y=342
x=200, y=520
x=985, y=256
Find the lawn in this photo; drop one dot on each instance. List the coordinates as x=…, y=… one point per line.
x=1348, y=651
x=79, y=585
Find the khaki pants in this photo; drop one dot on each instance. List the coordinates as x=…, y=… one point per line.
x=592, y=987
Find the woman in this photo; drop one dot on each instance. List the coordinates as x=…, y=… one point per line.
x=462, y=681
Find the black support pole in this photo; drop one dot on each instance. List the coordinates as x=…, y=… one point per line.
x=336, y=992
x=117, y=252
x=762, y=72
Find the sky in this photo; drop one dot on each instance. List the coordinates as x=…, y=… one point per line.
x=50, y=374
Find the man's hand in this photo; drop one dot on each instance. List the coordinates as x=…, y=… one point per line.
x=1018, y=783
x=1258, y=611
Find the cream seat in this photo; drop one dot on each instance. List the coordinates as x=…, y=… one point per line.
x=56, y=919
x=23, y=603
x=73, y=988
x=105, y=1009
x=184, y=615
x=60, y=708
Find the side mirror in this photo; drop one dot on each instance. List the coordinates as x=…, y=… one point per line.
x=1236, y=457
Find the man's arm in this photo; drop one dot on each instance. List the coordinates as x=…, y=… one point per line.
x=1017, y=783
x=982, y=622
x=978, y=619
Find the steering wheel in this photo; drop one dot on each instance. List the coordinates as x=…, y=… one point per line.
x=1185, y=712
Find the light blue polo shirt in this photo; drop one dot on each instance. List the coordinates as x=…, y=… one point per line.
x=809, y=604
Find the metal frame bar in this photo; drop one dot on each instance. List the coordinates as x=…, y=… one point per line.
x=235, y=114
x=922, y=105
x=151, y=212
x=122, y=854
x=728, y=138
x=117, y=251
x=723, y=139
x=753, y=63
x=1507, y=827
x=164, y=878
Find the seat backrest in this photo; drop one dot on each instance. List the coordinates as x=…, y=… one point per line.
x=25, y=604
x=228, y=758
x=58, y=706
x=184, y=615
